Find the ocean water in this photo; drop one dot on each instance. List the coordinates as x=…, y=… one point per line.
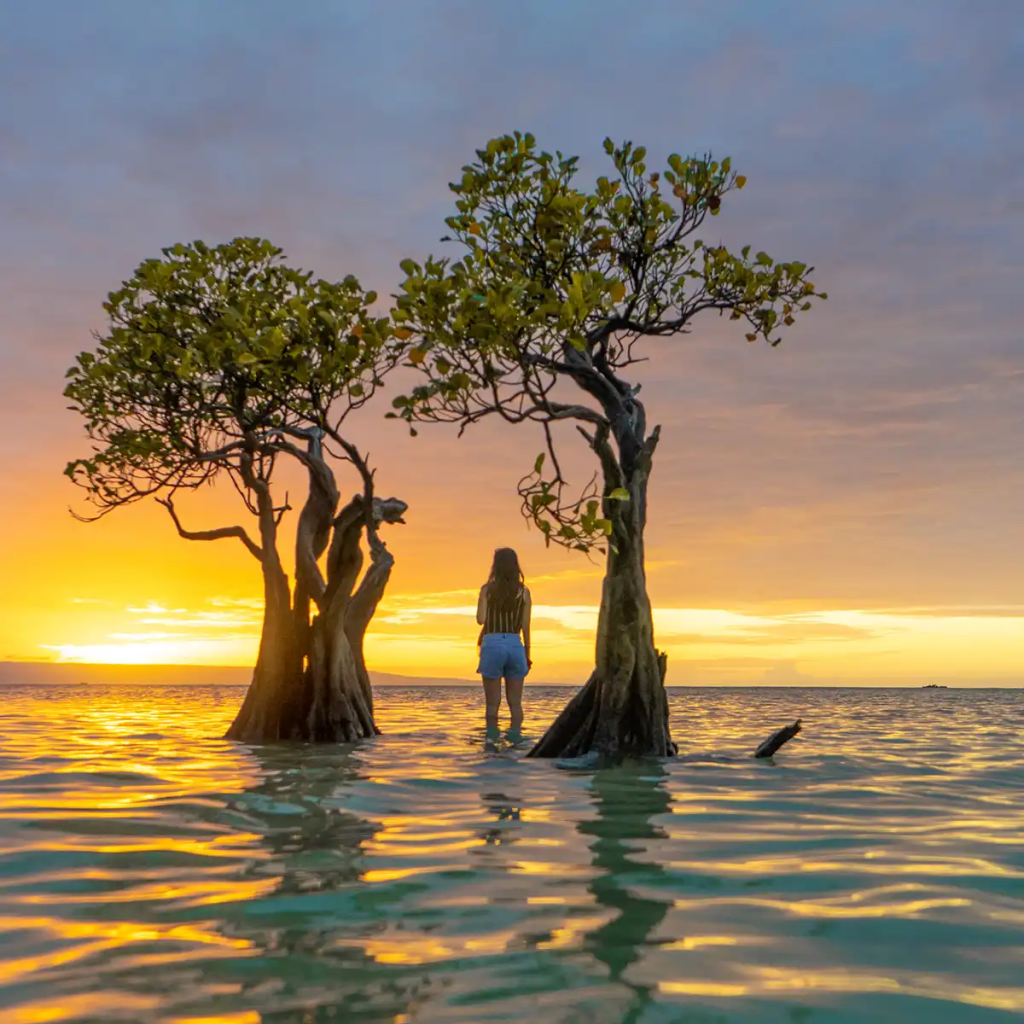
x=151, y=871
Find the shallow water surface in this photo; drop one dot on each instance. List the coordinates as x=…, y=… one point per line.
x=150, y=871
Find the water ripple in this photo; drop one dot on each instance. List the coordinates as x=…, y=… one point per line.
x=150, y=871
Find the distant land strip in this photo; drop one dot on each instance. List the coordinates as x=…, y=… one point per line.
x=63, y=673
x=21, y=673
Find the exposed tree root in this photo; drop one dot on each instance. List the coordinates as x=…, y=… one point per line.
x=777, y=739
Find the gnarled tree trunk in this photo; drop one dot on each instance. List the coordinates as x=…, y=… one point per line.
x=623, y=708
x=339, y=700
x=310, y=681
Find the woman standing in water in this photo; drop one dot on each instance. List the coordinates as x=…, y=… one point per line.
x=504, y=611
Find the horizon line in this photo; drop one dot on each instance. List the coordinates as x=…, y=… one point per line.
x=397, y=679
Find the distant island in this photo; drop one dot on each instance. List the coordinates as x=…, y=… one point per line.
x=934, y=686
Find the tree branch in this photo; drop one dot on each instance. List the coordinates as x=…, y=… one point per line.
x=362, y=465
x=225, y=531
x=610, y=467
x=315, y=519
x=265, y=509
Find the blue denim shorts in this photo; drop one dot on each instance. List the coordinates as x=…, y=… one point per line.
x=502, y=655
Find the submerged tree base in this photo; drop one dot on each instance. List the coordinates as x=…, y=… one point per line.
x=613, y=724
x=637, y=728
x=578, y=730
x=309, y=707
x=318, y=698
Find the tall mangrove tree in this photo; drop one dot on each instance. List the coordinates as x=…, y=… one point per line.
x=219, y=363
x=539, y=322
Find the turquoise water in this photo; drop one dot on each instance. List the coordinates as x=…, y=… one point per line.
x=150, y=871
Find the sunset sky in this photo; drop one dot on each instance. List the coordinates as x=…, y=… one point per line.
x=846, y=508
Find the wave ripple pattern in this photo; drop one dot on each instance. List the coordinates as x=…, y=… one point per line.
x=151, y=872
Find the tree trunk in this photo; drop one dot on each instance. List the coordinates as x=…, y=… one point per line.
x=623, y=708
x=364, y=601
x=272, y=700
x=336, y=705
x=337, y=692
x=310, y=681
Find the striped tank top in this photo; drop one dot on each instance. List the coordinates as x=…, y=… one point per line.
x=504, y=616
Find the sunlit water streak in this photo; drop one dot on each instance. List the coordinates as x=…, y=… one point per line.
x=150, y=871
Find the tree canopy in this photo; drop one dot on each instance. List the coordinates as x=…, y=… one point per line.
x=557, y=283
x=218, y=359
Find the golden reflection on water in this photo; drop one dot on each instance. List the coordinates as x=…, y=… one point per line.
x=784, y=865
x=702, y=988
x=768, y=981
x=401, y=949
x=247, y=1017
x=150, y=871
x=571, y=936
x=825, y=909
x=190, y=894
x=78, y=1007
x=700, y=941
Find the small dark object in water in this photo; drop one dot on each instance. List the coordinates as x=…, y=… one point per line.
x=934, y=686
x=777, y=739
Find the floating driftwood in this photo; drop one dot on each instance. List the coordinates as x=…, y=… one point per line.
x=777, y=739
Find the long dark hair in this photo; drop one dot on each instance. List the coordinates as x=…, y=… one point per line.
x=506, y=579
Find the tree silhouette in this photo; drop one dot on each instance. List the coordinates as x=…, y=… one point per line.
x=219, y=363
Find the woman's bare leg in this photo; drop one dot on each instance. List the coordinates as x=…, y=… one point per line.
x=514, y=696
x=492, y=694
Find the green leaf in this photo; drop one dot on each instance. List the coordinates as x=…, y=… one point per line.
x=618, y=494
x=539, y=463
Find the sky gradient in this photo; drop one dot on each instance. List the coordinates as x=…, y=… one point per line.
x=848, y=507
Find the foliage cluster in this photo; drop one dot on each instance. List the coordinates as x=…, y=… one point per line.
x=217, y=359
x=557, y=284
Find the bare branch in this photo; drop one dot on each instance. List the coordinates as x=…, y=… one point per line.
x=362, y=465
x=219, y=534
x=281, y=510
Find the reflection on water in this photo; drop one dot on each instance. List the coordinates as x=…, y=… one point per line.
x=152, y=872
x=628, y=802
